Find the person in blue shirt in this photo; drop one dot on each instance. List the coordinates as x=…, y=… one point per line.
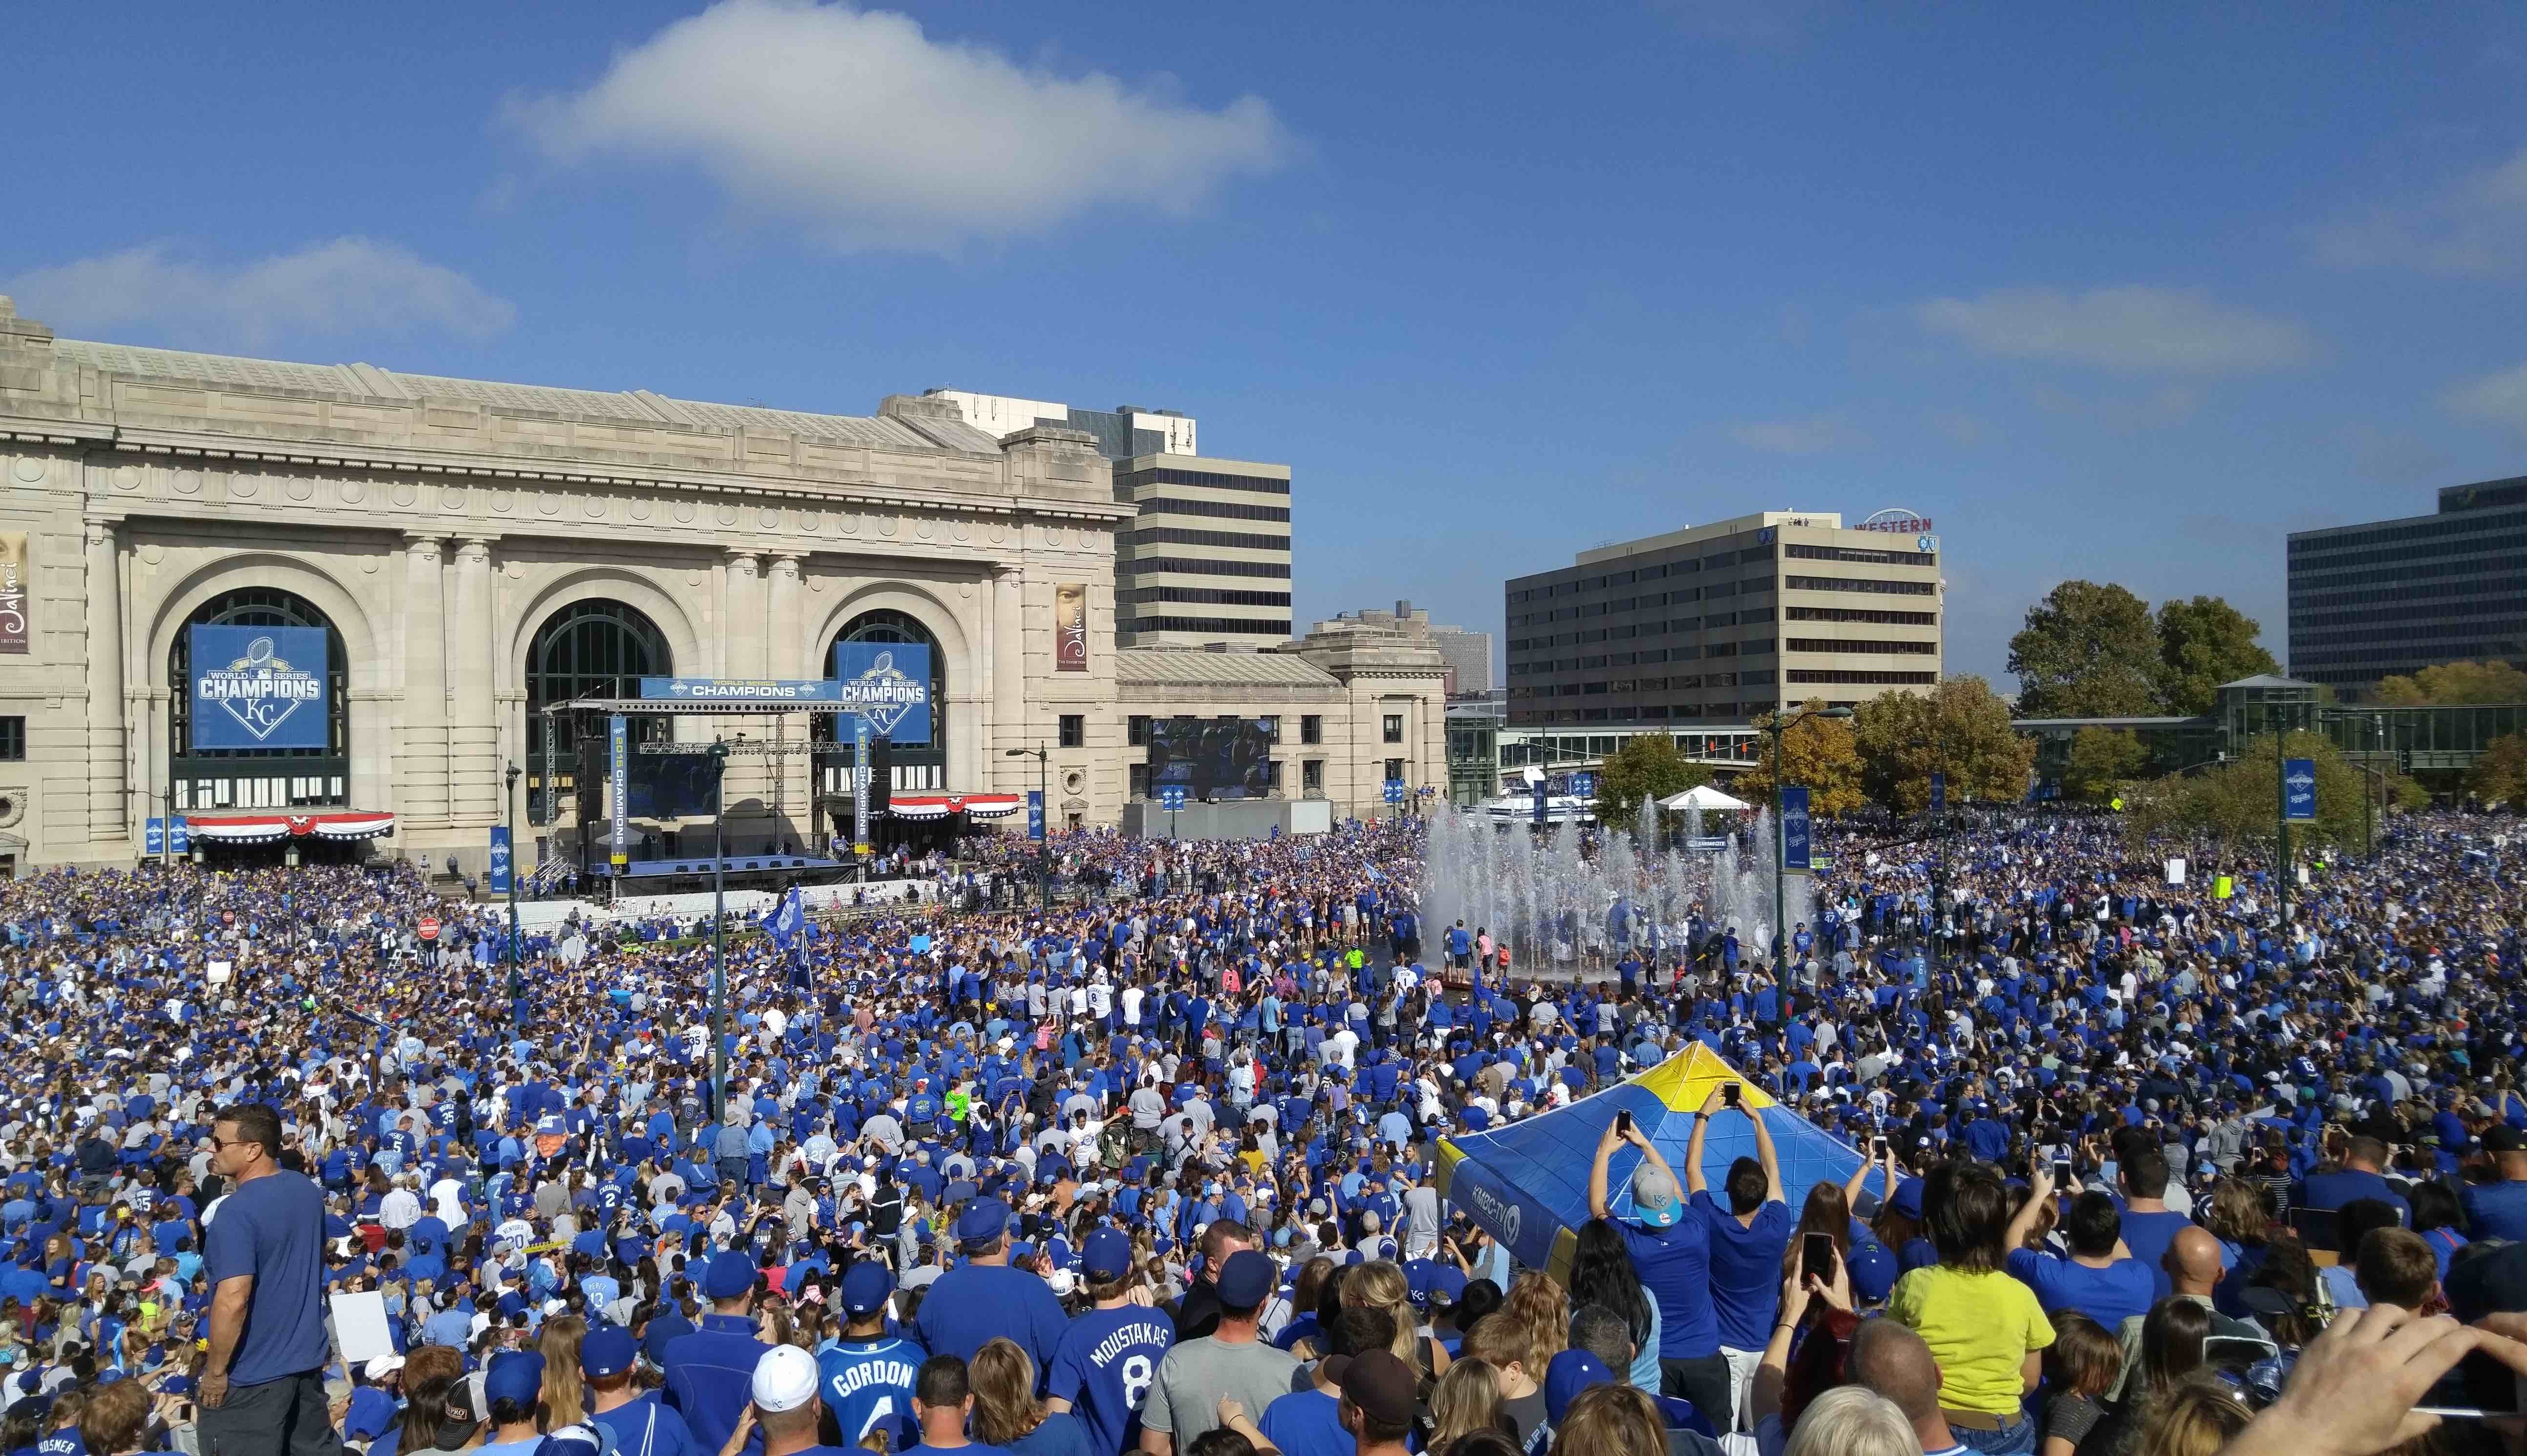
x=868, y=1375
x=2499, y=1209
x=706, y=1371
x=2362, y=1176
x=1102, y=1367
x=261, y=1383
x=1748, y=1239
x=637, y=1420
x=985, y=1297
x=1671, y=1253
x=2098, y=1279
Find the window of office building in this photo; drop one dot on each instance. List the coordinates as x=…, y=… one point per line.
x=1136, y=730
x=1394, y=770
x=13, y=739
x=1394, y=728
x=1311, y=775
x=1075, y=731
x=1311, y=728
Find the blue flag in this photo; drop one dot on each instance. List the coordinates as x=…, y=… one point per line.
x=787, y=918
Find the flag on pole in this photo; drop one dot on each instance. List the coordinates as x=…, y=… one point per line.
x=787, y=918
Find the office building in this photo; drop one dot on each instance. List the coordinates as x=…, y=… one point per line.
x=1467, y=655
x=2395, y=597
x=1716, y=624
x=1207, y=561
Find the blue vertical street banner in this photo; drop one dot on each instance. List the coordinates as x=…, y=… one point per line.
x=181, y=836
x=1540, y=796
x=259, y=688
x=889, y=683
x=860, y=845
x=1795, y=828
x=500, y=867
x=1035, y=813
x=2299, y=789
x=153, y=837
x=1938, y=792
x=618, y=792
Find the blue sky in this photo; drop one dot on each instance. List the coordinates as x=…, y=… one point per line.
x=2123, y=295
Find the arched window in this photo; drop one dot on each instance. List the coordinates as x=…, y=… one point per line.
x=258, y=778
x=594, y=649
x=917, y=765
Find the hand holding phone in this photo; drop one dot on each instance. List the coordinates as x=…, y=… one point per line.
x=1817, y=1257
x=1623, y=1124
x=1731, y=1094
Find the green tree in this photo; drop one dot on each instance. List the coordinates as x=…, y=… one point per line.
x=1648, y=767
x=1819, y=753
x=2087, y=651
x=1961, y=725
x=2201, y=644
x=2499, y=775
x=2102, y=760
x=2455, y=683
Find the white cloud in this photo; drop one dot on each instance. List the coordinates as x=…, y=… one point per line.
x=1816, y=435
x=2475, y=227
x=873, y=135
x=2499, y=399
x=2133, y=326
x=351, y=284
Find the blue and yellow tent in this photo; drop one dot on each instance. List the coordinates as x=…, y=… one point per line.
x=1526, y=1184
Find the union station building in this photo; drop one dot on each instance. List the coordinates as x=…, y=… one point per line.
x=477, y=553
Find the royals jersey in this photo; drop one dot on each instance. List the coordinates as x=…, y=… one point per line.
x=1104, y=1367
x=868, y=1386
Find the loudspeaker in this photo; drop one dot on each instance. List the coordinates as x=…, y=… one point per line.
x=881, y=774
x=587, y=787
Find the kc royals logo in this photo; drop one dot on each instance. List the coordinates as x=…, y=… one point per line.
x=884, y=694
x=260, y=690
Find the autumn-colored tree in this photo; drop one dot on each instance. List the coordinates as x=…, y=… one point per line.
x=1818, y=753
x=2201, y=644
x=1961, y=727
x=2454, y=683
x=2499, y=774
x=2102, y=760
x=1648, y=767
x=2087, y=651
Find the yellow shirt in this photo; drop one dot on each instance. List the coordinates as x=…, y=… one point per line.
x=1980, y=1326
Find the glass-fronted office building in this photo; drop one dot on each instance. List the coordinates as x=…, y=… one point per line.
x=2394, y=597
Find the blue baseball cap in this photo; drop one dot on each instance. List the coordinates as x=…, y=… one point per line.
x=516, y=1376
x=866, y=1288
x=1107, y=1255
x=983, y=1219
x=1244, y=1279
x=731, y=1275
x=1572, y=1372
x=608, y=1350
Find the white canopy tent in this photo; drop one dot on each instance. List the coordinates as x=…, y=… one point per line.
x=1704, y=798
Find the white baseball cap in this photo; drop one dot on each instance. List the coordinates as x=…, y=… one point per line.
x=785, y=1379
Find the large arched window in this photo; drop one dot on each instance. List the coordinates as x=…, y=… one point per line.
x=594, y=649
x=917, y=765
x=258, y=778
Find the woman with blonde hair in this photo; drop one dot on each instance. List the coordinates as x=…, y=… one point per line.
x=2195, y=1417
x=1380, y=1284
x=1467, y=1399
x=1853, y=1420
x=1006, y=1412
x=1537, y=1306
x=565, y=1394
x=1620, y=1421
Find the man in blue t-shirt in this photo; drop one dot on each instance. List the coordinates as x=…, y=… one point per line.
x=263, y=1385
x=868, y=1375
x=1671, y=1255
x=2092, y=1281
x=2499, y=1209
x=1747, y=1239
x=984, y=1298
x=1108, y=1356
x=2362, y=1176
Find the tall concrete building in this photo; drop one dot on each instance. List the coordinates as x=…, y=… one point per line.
x=1718, y=623
x=1467, y=655
x=2395, y=597
x=1207, y=561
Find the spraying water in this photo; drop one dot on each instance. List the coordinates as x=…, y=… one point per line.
x=1548, y=895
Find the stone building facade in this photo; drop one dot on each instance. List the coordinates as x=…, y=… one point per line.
x=459, y=537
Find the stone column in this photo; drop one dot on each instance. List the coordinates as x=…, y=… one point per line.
x=790, y=789
x=741, y=638
x=1008, y=715
x=421, y=741
x=786, y=654
x=106, y=808
x=474, y=728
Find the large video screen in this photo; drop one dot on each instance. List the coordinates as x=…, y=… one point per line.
x=1212, y=757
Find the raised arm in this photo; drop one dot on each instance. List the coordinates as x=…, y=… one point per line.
x=1693, y=1181
x=1597, y=1171
x=2040, y=1191
x=1773, y=1192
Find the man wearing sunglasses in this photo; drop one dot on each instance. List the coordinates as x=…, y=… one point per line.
x=263, y=1385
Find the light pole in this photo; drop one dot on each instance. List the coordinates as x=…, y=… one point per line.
x=2370, y=773
x=1782, y=721
x=1042, y=757
x=1938, y=829
x=719, y=930
x=509, y=813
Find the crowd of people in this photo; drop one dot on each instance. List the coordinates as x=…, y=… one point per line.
x=2141, y=1166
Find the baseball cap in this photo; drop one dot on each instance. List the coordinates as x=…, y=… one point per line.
x=1653, y=1200
x=1908, y=1198
x=784, y=1379
x=983, y=1219
x=608, y=1350
x=2500, y=1137
x=731, y=1275
x=1107, y=1255
x=516, y=1376
x=1381, y=1385
x=1245, y=1278
x=382, y=1366
x=1872, y=1271
x=866, y=1288
x=1570, y=1373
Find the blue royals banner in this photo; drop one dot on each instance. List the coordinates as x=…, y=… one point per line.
x=886, y=682
x=260, y=688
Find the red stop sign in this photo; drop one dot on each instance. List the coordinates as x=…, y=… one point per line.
x=429, y=928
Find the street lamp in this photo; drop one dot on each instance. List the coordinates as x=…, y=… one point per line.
x=719, y=930
x=1042, y=757
x=509, y=815
x=2370, y=773
x=1781, y=837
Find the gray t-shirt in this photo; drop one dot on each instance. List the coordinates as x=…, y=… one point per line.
x=1184, y=1397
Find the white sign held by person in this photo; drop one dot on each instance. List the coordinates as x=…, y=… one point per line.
x=2175, y=871
x=217, y=972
